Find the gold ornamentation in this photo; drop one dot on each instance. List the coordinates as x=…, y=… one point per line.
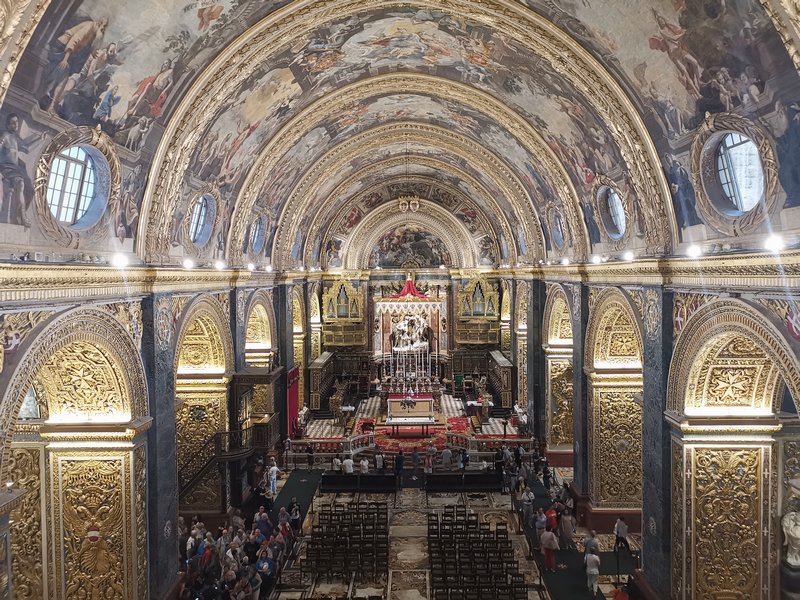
x=685, y=306
x=730, y=334
x=557, y=319
x=791, y=476
x=140, y=506
x=704, y=173
x=15, y=33
x=130, y=315
x=241, y=306
x=615, y=463
x=164, y=324
x=727, y=523
x=205, y=340
x=522, y=369
x=786, y=25
x=560, y=405
x=263, y=399
x=224, y=299
x=679, y=531
x=258, y=335
x=612, y=336
x=52, y=228
x=651, y=314
x=200, y=417
x=521, y=312
x=15, y=328
x=26, y=528
x=478, y=300
x=342, y=301
x=91, y=509
x=83, y=380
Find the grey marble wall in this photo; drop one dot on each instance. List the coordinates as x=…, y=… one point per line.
x=162, y=469
x=580, y=411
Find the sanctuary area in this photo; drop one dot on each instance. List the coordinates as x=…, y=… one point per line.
x=403, y=300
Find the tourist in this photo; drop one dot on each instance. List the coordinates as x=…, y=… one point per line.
x=546, y=476
x=549, y=545
x=336, y=464
x=519, y=454
x=463, y=460
x=552, y=517
x=264, y=525
x=347, y=465
x=364, y=464
x=429, y=456
x=415, y=460
x=310, y=455
x=527, y=507
x=590, y=543
x=567, y=527
x=399, y=465
x=380, y=462
x=592, y=561
x=498, y=461
x=294, y=514
x=621, y=533
x=273, y=478
x=447, y=458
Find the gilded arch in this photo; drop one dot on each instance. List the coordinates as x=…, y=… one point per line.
x=521, y=326
x=260, y=330
x=557, y=326
x=204, y=341
x=613, y=365
x=712, y=330
x=102, y=339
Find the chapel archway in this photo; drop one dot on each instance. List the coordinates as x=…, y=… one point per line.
x=614, y=372
x=80, y=379
x=299, y=345
x=203, y=362
x=259, y=345
x=557, y=335
x=732, y=435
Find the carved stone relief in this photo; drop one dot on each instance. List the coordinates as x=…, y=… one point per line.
x=26, y=527
x=560, y=406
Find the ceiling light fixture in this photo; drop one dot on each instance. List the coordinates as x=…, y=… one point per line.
x=119, y=260
x=188, y=263
x=251, y=267
x=565, y=261
x=268, y=268
x=774, y=243
x=694, y=251
x=219, y=265
x=596, y=259
x=628, y=255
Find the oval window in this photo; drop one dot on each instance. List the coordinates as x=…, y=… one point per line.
x=740, y=174
x=201, y=221
x=258, y=236
x=612, y=212
x=77, y=187
x=558, y=230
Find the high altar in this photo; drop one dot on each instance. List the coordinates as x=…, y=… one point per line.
x=408, y=352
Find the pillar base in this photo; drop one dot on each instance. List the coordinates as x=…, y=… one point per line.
x=790, y=581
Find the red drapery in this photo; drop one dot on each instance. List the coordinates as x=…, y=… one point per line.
x=409, y=289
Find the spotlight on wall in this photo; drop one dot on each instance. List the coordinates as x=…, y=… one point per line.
x=549, y=262
x=442, y=266
x=219, y=265
x=774, y=243
x=268, y=268
x=596, y=259
x=188, y=263
x=119, y=261
x=628, y=255
x=251, y=267
x=694, y=251
x=565, y=261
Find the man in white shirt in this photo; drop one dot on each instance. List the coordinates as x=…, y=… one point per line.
x=621, y=531
x=527, y=507
x=592, y=570
x=273, y=479
x=447, y=458
x=336, y=464
x=380, y=462
x=364, y=466
x=347, y=465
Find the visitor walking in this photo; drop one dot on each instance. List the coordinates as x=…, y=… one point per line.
x=590, y=543
x=549, y=544
x=380, y=462
x=621, y=533
x=567, y=526
x=447, y=458
x=310, y=455
x=415, y=461
x=429, y=456
x=273, y=478
x=541, y=524
x=527, y=507
x=592, y=561
x=399, y=465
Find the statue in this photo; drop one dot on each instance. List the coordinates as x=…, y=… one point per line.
x=791, y=533
x=410, y=334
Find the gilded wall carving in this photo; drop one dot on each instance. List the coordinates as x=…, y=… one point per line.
x=651, y=314
x=200, y=416
x=26, y=527
x=130, y=315
x=82, y=379
x=140, y=506
x=15, y=329
x=685, y=306
x=164, y=323
x=241, y=306
x=521, y=312
x=615, y=469
x=263, y=399
x=791, y=476
x=522, y=369
x=560, y=407
x=94, y=515
x=678, y=515
x=727, y=523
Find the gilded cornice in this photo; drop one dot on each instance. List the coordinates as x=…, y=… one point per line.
x=23, y=284
x=492, y=216
x=370, y=142
x=294, y=22
x=431, y=216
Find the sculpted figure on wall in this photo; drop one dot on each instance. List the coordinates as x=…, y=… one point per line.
x=791, y=533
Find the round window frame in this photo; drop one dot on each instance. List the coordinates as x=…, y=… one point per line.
x=609, y=232
x=712, y=204
x=108, y=177
x=212, y=221
x=552, y=212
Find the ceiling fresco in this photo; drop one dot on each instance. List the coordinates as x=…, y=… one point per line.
x=129, y=68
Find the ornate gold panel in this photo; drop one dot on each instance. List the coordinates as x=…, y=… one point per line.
x=677, y=521
x=93, y=521
x=130, y=315
x=615, y=465
x=140, y=507
x=727, y=522
x=522, y=370
x=478, y=300
x=299, y=361
x=263, y=399
x=201, y=346
x=15, y=327
x=505, y=338
x=560, y=401
x=200, y=416
x=521, y=312
x=26, y=528
x=81, y=380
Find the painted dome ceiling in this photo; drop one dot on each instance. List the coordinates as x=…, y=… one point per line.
x=297, y=120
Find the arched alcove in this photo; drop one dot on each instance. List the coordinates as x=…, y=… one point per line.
x=557, y=333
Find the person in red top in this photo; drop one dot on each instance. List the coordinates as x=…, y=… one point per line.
x=552, y=518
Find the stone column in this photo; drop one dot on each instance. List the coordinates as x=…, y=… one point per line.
x=158, y=356
x=657, y=321
x=282, y=305
x=580, y=408
x=536, y=399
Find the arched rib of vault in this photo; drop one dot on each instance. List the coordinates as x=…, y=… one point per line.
x=540, y=154
x=497, y=220
x=295, y=21
x=335, y=212
x=356, y=251
x=373, y=140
